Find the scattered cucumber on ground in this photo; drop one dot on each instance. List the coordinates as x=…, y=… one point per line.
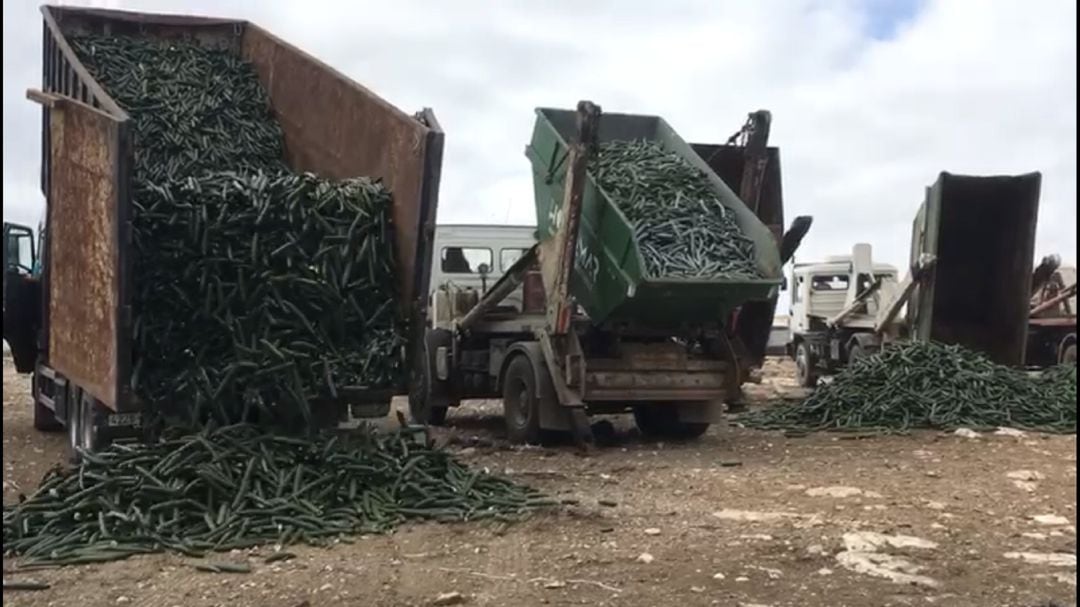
x=257, y=292
x=918, y=385
x=237, y=487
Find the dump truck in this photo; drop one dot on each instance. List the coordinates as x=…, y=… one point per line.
x=972, y=240
x=75, y=324
x=833, y=319
x=595, y=333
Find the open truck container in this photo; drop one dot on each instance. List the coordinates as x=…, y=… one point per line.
x=981, y=230
x=610, y=282
x=754, y=320
x=332, y=126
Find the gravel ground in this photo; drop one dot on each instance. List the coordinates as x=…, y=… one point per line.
x=738, y=518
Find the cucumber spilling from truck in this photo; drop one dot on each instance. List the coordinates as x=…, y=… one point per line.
x=258, y=290
x=223, y=245
x=681, y=227
x=221, y=239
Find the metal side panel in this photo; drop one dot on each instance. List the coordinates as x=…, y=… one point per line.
x=338, y=129
x=754, y=323
x=981, y=231
x=85, y=227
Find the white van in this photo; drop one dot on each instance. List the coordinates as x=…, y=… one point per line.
x=475, y=256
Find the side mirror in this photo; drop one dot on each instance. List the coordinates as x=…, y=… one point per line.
x=483, y=270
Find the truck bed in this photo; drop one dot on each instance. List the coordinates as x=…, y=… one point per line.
x=333, y=127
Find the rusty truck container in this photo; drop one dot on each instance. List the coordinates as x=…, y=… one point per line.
x=981, y=230
x=333, y=127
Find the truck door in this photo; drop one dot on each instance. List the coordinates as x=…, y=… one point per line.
x=22, y=296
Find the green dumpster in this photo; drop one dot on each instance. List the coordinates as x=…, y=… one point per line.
x=610, y=281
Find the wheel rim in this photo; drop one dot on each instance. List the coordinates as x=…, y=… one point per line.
x=518, y=405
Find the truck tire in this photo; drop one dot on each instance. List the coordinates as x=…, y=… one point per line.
x=658, y=420
x=805, y=366
x=855, y=354
x=422, y=394
x=1068, y=355
x=521, y=403
x=44, y=417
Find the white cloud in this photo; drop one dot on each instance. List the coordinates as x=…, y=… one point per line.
x=863, y=124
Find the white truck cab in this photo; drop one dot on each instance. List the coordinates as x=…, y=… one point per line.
x=821, y=289
x=474, y=257
x=835, y=306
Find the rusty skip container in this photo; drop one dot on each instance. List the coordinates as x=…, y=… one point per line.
x=333, y=127
x=981, y=230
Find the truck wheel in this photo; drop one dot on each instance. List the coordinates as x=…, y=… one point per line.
x=805, y=366
x=1068, y=355
x=661, y=421
x=521, y=404
x=855, y=354
x=422, y=392
x=44, y=417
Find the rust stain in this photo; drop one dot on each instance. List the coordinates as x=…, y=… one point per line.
x=338, y=129
x=83, y=260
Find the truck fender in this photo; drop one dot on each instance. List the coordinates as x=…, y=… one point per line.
x=553, y=416
x=869, y=341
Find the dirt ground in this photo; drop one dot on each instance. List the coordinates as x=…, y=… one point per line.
x=739, y=518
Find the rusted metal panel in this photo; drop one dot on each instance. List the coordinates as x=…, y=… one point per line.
x=727, y=161
x=208, y=31
x=333, y=127
x=336, y=128
x=84, y=256
x=753, y=322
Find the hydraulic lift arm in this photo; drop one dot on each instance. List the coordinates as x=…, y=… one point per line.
x=887, y=313
x=1066, y=293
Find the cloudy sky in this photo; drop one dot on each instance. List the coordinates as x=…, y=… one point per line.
x=870, y=99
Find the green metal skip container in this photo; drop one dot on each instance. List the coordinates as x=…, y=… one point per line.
x=610, y=281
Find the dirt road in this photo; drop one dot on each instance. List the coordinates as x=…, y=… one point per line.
x=737, y=518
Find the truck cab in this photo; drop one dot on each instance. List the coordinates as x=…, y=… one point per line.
x=835, y=305
x=22, y=295
x=474, y=256
x=819, y=290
